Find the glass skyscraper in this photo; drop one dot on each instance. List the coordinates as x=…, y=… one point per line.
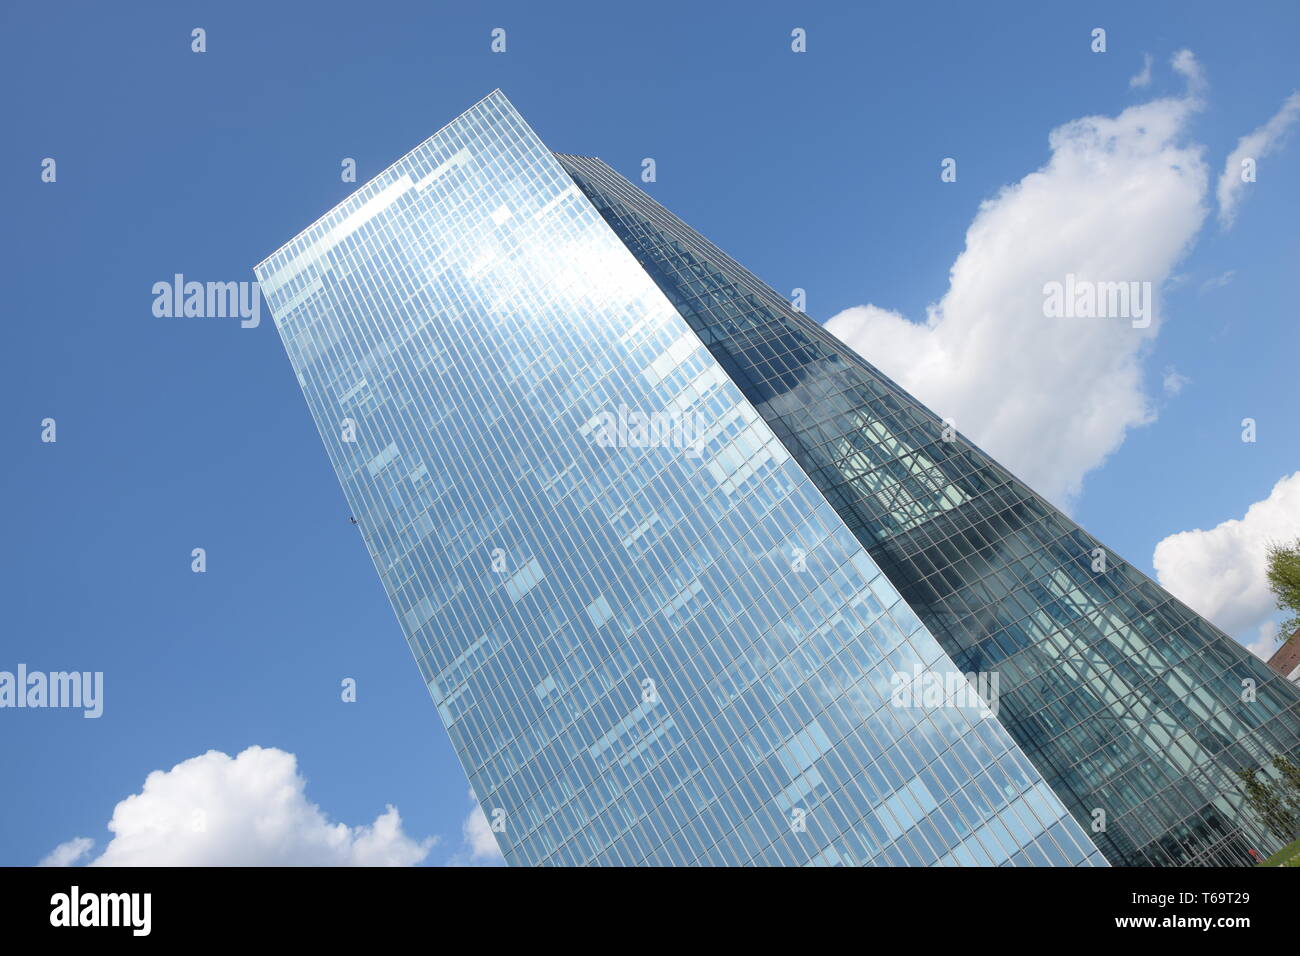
x=691, y=583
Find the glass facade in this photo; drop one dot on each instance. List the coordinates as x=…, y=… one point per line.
x=1136, y=711
x=650, y=637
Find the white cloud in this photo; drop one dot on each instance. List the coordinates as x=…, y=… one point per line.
x=1265, y=644
x=1121, y=199
x=1253, y=145
x=250, y=810
x=1174, y=381
x=480, y=843
x=1220, y=573
x=1185, y=64
x=1143, y=78
x=67, y=854
x=1218, y=282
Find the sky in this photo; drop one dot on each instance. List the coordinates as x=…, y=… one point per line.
x=224, y=736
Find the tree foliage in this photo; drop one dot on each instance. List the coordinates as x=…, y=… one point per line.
x=1276, y=801
x=1284, y=582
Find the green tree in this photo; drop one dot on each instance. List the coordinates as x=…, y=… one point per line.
x=1269, y=801
x=1288, y=782
x=1284, y=581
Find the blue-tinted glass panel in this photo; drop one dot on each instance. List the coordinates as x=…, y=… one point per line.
x=650, y=637
x=1129, y=704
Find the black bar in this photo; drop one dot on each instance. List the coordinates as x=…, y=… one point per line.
x=431, y=906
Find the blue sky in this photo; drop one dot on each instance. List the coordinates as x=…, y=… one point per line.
x=817, y=170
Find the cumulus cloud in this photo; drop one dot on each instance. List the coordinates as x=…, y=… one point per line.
x=1186, y=65
x=1120, y=200
x=1143, y=78
x=1220, y=573
x=479, y=847
x=67, y=854
x=1174, y=381
x=1265, y=643
x=1218, y=282
x=1254, y=145
x=249, y=810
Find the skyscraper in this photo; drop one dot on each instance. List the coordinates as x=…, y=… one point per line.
x=690, y=582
